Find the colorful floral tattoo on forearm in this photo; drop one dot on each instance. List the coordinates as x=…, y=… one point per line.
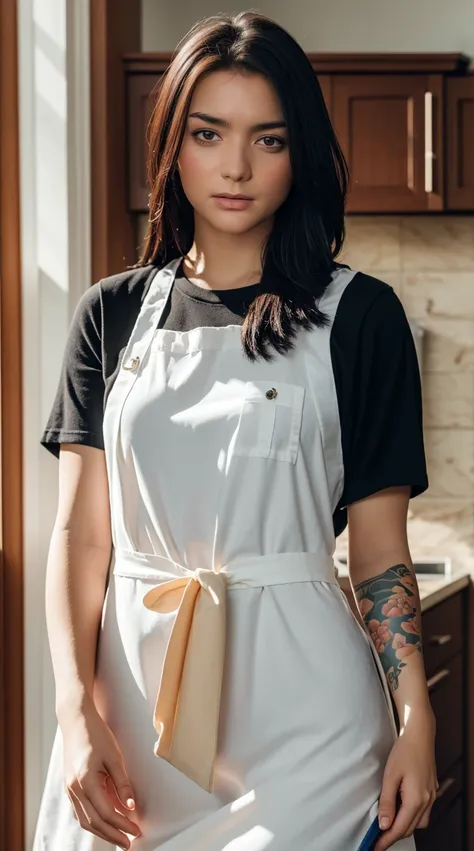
x=387, y=604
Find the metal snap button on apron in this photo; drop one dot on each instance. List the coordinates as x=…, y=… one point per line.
x=133, y=364
x=271, y=394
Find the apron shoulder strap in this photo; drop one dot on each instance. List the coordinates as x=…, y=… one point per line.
x=125, y=297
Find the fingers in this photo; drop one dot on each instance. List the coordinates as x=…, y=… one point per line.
x=422, y=818
x=98, y=809
x=388, y=800
x=413, y=813
x=425, y=818
x=121, y=782
x=89, y=820
x=114, y=798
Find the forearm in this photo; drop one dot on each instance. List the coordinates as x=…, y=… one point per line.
x=389, y=604
x=75, y=588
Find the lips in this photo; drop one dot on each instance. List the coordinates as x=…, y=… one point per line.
x=234, y=197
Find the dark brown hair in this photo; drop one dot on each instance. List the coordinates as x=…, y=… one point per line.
x=298, y=257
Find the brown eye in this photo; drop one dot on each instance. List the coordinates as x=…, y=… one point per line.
x=280, y=143
x=196, y=134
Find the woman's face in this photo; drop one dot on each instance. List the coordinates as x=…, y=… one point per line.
x=226, y=150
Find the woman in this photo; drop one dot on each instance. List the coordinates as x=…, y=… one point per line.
x=224, y=407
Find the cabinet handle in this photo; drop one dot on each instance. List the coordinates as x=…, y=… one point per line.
x=437, y=678
x=429, y=155
x=440, y=640
x=445, y=785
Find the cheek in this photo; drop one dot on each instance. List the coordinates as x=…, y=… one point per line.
x=192, y=165
x=278, y=177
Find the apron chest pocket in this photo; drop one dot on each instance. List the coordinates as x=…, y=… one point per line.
x=270, y=421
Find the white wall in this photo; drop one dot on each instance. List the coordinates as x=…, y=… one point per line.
x=54, y=150
x=330, y=25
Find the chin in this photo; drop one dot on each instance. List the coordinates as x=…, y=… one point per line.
x=237, y=224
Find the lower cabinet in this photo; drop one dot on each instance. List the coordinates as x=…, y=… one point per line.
x=445, y=834
x=444, y=630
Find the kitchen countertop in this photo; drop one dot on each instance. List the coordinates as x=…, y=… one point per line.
x=434, y=588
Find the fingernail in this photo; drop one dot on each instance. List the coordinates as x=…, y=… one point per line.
x=130, y=803
x=384, y=822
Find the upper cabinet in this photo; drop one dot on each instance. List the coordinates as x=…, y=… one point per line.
x=391, y=131
x=325, y=81
x=140, y=89
x=404, y=121
x=460, y=142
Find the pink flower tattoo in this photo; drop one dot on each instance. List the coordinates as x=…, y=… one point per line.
x=388, y=607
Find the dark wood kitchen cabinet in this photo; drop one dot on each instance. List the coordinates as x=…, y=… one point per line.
x=390, y=127
x=140, y=101
x=390, y=114
x=325, y=81
x=460, y=142
x=444, y=630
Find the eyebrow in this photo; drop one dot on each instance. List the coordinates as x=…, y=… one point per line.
x=220, y=122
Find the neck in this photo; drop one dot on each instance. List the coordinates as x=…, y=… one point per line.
x=223, y=261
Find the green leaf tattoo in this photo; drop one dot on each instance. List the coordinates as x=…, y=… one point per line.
x=387, y=604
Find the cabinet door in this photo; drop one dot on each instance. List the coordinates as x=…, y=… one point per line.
x=443, y=632
x=460, y=142
x=325, y=81
x=390, y=129
x=140, y=102
x=446, y=834
x=447, y=699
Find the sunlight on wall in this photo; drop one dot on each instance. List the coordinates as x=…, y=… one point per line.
x=54, y=169
x=51, y=138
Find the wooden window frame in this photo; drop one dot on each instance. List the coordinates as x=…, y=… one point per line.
x=12, y=780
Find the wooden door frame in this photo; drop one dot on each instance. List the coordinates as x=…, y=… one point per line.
x=115, y=30
x=12, y=780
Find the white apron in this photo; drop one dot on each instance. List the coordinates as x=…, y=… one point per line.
x=274, y=711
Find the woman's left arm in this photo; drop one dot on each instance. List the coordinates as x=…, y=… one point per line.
x=386, y=591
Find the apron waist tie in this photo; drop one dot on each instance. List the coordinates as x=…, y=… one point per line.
x=186, y=715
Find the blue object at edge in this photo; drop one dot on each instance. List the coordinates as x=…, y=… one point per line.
x=370, y=838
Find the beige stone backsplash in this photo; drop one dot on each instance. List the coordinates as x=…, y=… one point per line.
x=438, y=295
x=442, y=527
x=435, y=244
x=450, y=458
x=448, y=345
x=429, y=262
x=373, y=242
x=448, y=400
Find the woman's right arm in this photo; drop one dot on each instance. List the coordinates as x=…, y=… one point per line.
x=78, y=560
x=76, y=578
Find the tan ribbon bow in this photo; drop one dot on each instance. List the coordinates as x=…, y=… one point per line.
x=187, y=706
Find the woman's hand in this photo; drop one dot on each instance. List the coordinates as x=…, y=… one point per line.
x=95, y=776
x=410, y=770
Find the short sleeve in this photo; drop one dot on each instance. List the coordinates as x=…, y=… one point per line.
x=77, y=412
x=385, y=447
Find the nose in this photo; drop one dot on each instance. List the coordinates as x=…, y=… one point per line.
x=236, y=163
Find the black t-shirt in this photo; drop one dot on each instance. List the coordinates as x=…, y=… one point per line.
x=373, y=357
